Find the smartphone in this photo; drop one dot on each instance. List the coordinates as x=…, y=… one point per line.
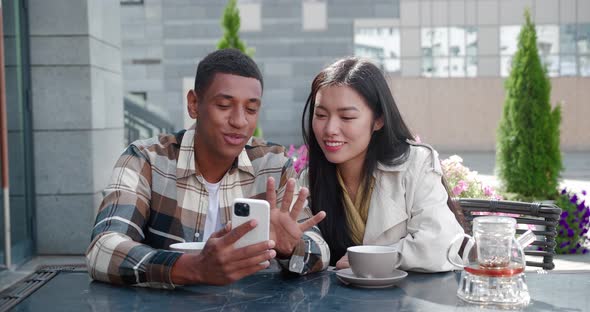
x=244, y=210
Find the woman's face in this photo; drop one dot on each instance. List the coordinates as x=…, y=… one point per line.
x=343, y=124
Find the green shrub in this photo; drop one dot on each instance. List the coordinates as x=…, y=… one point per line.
x=528, y=155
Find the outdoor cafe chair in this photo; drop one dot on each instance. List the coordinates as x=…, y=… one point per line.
x=544, y=217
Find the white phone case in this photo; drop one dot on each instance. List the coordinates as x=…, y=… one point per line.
x=259, y=210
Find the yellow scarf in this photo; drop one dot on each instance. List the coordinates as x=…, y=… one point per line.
x=357, y=212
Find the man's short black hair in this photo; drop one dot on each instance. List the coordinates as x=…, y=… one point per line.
x=225, y=61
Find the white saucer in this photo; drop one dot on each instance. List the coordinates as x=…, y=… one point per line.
x=347, y=277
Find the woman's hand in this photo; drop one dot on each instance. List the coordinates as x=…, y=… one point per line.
x=343, y=262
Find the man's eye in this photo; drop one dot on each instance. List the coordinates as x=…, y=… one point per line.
x=320, y=116
x=348, y=118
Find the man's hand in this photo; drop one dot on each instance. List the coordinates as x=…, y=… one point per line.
x=284, y=229
x=219, y=263
x=343, y=262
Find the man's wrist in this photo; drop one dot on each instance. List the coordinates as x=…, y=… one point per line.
x=185, y=271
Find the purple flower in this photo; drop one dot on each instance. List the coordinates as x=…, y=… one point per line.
x=584, y=192
x=573, y=250
x=574, y=199
x=564, y=214
x=582, y=206
x=563, y=223
x=570, y=233
x=563, y=192
x=584, y=231
x=578, y=245
x=564, y=244
x=584, y=251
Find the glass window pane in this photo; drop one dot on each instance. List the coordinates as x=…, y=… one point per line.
x=440, y=67
x=427, y=66
x=551, y=63
x=440, y=42
x=456, y=41
x=548, y=39
x=567, y=39
x=457, y=66
x=505, y=65
x=568, y=65
x=471, y=67
x=380, y=44
x=584, y=61
x=471, y=38
x=391, y=65
x=583, y=39
x=509, y=39
x=19, y=131
x=426, y=41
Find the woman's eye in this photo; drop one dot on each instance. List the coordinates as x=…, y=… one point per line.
x=320, y=116
x=348, y=118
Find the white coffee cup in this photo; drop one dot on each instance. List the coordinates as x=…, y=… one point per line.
x=373, y=261
x=191, y=247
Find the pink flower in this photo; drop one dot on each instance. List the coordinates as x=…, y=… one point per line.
x=291, y=151
x=302, y=150
x=488, y=190
x=460, y=188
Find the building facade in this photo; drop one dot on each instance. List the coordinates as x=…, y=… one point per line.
x=447, y=59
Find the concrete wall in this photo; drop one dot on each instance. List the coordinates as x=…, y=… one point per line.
x=463, y=114
x=77, y=115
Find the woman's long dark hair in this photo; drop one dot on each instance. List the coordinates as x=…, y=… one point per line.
x=388, y=145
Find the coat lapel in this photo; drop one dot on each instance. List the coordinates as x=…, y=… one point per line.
x=384, y=212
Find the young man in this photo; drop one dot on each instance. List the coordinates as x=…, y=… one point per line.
x=180, y=187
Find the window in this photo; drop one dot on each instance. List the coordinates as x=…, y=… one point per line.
x=380, y=44
x=564, y=50
x=567, y=49
x=548, y=46
x=131, y=2
x=449, y=52
x=583, y=45
x=508, y=46
x=314, y=15
x=250, y=16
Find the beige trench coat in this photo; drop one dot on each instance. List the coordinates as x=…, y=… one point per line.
x=409, y=210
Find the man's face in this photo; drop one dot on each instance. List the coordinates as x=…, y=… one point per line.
x=226, y=114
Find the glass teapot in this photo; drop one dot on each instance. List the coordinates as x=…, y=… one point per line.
x=493, y=261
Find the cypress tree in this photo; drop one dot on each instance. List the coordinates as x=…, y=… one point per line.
x=528, y=155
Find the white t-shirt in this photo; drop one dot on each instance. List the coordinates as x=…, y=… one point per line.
x=212, y=223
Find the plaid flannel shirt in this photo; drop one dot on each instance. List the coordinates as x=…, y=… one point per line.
x=156, y=197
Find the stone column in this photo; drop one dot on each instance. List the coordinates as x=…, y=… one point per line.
x=77, y=115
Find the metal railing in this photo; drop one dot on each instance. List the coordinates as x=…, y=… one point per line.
x=141, y=123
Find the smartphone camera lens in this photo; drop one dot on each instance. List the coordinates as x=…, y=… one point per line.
x=242, y=209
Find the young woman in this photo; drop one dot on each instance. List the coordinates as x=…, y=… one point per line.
x=377, y=186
